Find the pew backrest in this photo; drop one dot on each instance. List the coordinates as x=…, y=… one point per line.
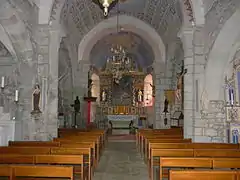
x=34, y=143
x=203, y=175
x=25, y=150
x=43, y=171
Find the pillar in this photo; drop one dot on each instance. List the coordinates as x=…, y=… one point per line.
x=186, y=36
x=194, y=62
x=159, y=81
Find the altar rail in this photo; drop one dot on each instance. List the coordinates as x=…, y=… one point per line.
x=123, y=110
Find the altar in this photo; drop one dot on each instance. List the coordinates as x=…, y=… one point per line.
x=120, y=123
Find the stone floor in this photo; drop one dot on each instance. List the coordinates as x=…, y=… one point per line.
x=120, y=161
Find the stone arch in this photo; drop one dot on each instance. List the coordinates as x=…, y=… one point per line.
x=128, y=23
x=4, y=38
x=17, y=33
x=220, y=56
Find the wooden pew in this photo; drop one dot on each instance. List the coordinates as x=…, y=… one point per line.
x=6, y=171
x=76, y=151
x=82, y=138
x=76, y=160
x=142, y=132
x=206, y=163
x=36, y=171
x=42, y=171
x=65, y=132
x=208, y=153
x=67, y=144
x=158, y=145
x=25, y=150
x=147, y=146
x=55, y=151
x=92, y=142
x=203, y=175
x=34, y=143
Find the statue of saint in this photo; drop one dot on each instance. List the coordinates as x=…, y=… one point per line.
x=166, y=102
x=76, y=104
x=140, y=94
x=89, y=83
x=104, y=95
x=36, y=99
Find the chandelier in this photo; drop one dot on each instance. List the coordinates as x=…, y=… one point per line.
x=106, y=5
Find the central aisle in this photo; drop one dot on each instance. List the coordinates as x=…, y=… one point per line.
x=120, y=161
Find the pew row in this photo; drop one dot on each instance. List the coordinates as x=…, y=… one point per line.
x=189, y=153
x=80, y=168
x=88, y=158
x=66, y=144
x=142, y=133
x=46, y=172
x=206, y=163
x=203, y=175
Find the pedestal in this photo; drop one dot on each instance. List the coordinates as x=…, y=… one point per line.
x=89, y=101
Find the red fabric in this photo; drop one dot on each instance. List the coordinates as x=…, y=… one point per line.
x=89, y=113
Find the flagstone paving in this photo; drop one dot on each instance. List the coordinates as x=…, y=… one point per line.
x=120, y=161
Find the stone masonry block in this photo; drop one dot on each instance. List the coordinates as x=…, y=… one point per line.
x=210, y=132
x=198, y=131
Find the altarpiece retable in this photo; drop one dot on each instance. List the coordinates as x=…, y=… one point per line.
x=121, y=85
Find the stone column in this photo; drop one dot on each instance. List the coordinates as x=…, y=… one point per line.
x=186, y=36
x=52, y=102
x=81, y=83
x=43, y=126
x=159, y=82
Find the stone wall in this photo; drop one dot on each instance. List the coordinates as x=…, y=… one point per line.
x=212, y=126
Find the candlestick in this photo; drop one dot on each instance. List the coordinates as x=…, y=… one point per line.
x=16, y=95
x=3, y=82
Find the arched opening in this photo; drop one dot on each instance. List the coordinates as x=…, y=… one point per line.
x=148, y=90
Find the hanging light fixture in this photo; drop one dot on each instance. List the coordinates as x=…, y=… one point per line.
x=106, y=5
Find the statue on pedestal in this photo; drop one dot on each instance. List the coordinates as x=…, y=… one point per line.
x=140, y=96
x=89, y=84
x=104, y=95
x=76, y=107
x=166, y=102
x=36, y=100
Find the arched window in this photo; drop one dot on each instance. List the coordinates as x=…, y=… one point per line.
x=148, y=90
x=96, y=86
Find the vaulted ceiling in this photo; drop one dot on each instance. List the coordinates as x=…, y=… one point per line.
x=165, y=16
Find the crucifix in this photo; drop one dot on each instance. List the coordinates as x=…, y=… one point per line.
x=180, y=83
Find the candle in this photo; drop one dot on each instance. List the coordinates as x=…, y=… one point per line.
x=16, y=95
x=231, y=97
x=2, y=82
